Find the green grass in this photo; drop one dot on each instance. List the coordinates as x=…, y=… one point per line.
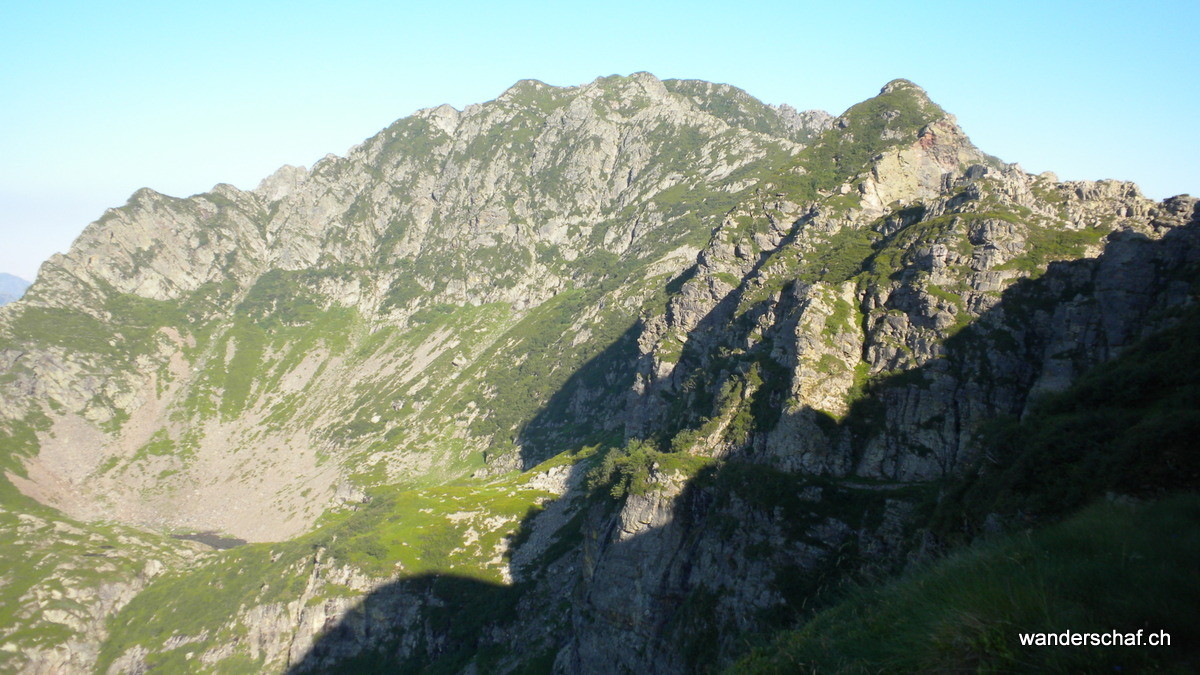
x=411, y=532
x=1108, y=568
x=128, y=330
x=727, y=279
x=45, y=555
x=400, y=533
x=634, y=468
x=840, y=258
x=71, y=330
x=264, y=348
x=844, y=316
x=159, y=445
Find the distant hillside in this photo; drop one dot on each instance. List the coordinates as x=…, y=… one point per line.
x=11, y=288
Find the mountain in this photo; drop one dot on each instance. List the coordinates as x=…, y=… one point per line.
x=627, y=376
x=11, y=288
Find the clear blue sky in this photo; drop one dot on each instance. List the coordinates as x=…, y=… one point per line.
x=98, y=99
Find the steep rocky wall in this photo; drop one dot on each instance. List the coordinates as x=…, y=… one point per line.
x=684, y=570
x=677, y=571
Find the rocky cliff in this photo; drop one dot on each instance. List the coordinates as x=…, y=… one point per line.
x=594, y=378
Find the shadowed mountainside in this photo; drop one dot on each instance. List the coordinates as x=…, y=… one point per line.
x=657, y=596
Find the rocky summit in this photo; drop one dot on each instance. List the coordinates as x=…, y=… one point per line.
x=637, y=376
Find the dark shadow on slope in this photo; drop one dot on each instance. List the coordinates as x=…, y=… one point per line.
x=685, y=593
x=586, y=409
x=1141, y=407
x=723, y=503
x=212, y=539
x=428, y=623
x=1111, y=566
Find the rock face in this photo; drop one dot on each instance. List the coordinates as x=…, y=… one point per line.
x=823, y=489
x=723, y=346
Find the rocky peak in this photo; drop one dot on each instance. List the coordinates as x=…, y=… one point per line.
x=899, y=102
x=640, y=80
x=899, y=84
x=808, y=121
x=523, y=89
x=285, y=181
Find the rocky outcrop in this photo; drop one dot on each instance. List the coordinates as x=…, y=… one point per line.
x=65, y=580
x=827, y=491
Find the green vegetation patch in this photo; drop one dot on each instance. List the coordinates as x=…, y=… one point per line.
x=844, y=316
x=424, y=531
x=1047, y=244
x=1108, y=568
x=281, y=320
x=459, y=530
x=159, y=445
x=53, y=567
x=634, y=468
x=68, y=329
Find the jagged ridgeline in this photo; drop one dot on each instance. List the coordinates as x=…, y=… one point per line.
x=629, y=375
x=398, y=315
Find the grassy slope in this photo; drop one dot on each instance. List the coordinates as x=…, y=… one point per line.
x=457, y=529
x=1108, y=567
x=50, y=565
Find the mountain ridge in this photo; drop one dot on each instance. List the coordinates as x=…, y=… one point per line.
x=249, y=253
x=547, y=341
